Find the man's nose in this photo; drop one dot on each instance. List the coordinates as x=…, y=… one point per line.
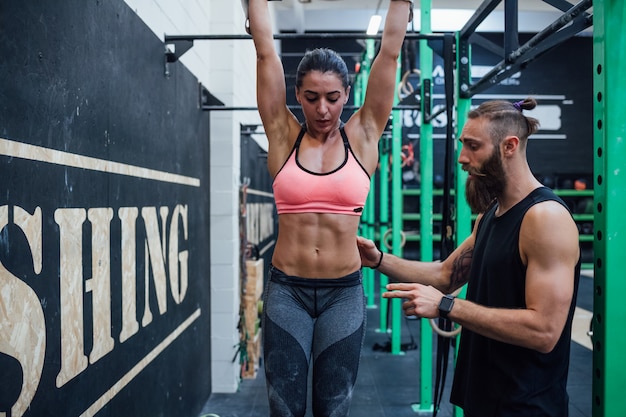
x=463, y=159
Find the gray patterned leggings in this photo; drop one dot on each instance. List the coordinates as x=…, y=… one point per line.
x=324, y=318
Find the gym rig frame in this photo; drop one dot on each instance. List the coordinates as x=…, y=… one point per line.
x=609, y=186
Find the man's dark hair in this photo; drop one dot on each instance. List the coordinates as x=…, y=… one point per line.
x=507, y=119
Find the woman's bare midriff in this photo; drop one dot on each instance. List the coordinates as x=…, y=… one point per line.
x=317, y=245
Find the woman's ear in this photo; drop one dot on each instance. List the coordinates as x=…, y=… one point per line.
x=348, y=89
x=297, y=91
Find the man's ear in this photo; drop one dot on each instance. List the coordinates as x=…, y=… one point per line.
x=510, y=144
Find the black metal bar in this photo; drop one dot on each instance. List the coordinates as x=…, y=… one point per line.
x=182, y=43
x=487, y=44
x=554, y=27
x=562, y=5
x=427, y=104
x=577, y=26
x=449, y=59
x=434, y=115
x=478, y=17
x=463, y=62
x=308, y=35
x=180, y=47
x=522, y=56
x=511, y=31
x=297, y=107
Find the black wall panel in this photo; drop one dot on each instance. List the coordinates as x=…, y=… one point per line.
x=261, y=215
x=104, y=217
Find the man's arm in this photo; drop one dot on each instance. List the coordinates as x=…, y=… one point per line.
x=447, y=276
x=551, y=258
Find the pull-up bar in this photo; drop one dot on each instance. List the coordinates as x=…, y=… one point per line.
x=182, y=43
x=295, y=107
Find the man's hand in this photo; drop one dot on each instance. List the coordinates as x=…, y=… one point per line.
x=419, y=300
x=370, y=254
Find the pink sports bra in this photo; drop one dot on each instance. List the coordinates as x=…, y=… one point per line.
x=341, y=191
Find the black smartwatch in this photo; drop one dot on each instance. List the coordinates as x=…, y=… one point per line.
x=445, y=305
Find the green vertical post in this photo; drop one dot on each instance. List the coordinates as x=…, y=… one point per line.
x=463, y=212
x=369, y=214
x=426, y=147
x=396, y=217
x=426, y=205
x=609, y=341
x=384, y=224
x=367, y=66
x=368, y=273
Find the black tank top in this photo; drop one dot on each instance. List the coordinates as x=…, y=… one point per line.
x=499, y=379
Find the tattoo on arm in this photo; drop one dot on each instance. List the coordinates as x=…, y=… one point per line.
x=461, y=268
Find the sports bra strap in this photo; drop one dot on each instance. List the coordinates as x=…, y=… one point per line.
x=300, y=136
x=346, y=143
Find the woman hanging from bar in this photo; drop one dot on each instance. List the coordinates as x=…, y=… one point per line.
x=314, y=305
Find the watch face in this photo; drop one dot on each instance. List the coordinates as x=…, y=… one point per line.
x=446, y=305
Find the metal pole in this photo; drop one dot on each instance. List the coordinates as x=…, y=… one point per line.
x=384, y=224
x=426, y=207
x=182, y=43
x=396, y=217
x=508, y=64
x=479, y=16
x=463, y=212
x=308, y=35
x=609, y=340
x=296, y=107
x=370, y=206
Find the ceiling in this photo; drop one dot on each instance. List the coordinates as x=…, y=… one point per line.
x=446, y=15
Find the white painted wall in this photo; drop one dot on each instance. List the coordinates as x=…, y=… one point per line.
x=227, y=70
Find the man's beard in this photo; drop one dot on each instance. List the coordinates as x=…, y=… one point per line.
x=486, y=183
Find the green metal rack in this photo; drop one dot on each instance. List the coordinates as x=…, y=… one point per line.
x=368, y=225
x=396, y=217
x=425, y=403
x=609, y=339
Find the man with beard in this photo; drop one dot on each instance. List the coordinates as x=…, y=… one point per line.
x=521, y=264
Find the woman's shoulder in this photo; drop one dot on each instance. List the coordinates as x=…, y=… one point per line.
x=282, y=131
x=356, y=127
x=281, y=142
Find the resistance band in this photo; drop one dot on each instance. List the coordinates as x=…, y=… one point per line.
x=447, y=243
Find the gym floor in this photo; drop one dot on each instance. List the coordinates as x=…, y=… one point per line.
x=388, y=385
